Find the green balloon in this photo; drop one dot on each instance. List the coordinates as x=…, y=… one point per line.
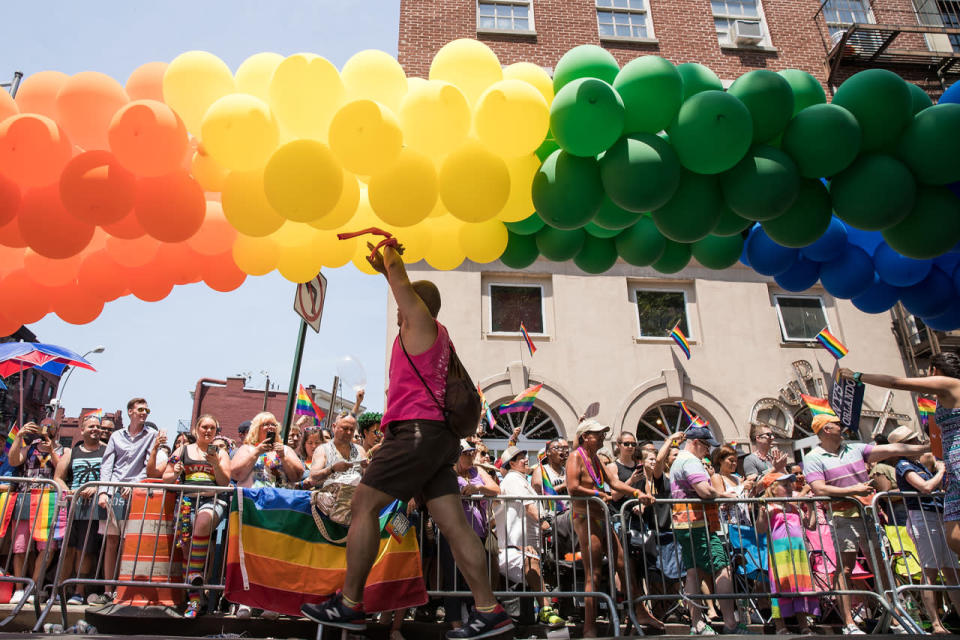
x=881, y=102
x=823, y=140
x=652, y=91
x=696, y=78
x=548, y=146
x=762, y=185
x=640, y=172
x=612, y=217
x=559, y=245
x=730, y=223
x=585, y=61
x=806, y=220
x=597, y=254
x=521, y=251
x=717, y=252
x=527, y=226
x=931, y=229
x=586, y=117
x=599, y=232
x=919, y=98
x=567, y=190
x=693, y=211
x=769, y=98
x=807, y=90
x=675, y=257
x=874, y=193
x=712, y=132
x=641, y=245
x=931, y=144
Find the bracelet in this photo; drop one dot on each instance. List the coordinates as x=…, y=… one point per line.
x=856, y=377
x=596, y=494
x=636, y=493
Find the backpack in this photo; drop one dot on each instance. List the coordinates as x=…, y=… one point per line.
x=461, y=406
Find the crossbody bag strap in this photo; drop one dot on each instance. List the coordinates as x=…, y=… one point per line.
x=416, y=371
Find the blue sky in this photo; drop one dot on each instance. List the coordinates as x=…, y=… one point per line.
x=159, y=350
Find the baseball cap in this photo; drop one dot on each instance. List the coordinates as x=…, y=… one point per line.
x=821, y=420
x=588, y=426
x=701, y=433
x=775, y=476
x=466, y=446
x=244, y=426
x=902, y=434
x=509, y=454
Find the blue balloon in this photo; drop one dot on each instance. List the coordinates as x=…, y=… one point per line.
x=866, y=240
x=946, y=321
x=801, y=276
x=828, y=246
x=952, y=94
x=898, y=270
x=954, y=187
x=947, y=262
x=766, y=256
x=878, y=297
x=849, y=275
x=931, y=297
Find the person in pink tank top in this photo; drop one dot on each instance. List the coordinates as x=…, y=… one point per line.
x=415, y=459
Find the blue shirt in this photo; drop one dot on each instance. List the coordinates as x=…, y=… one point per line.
x=5, y=468
x=904, y=467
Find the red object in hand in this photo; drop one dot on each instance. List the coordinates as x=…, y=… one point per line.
x=388, y=241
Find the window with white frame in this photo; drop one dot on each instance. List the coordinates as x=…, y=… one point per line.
x=659, y=311
x=624, y=19
x=726, y=13
x=511, y=304
x=840, y=14
x=505, y=15
x=801, y=317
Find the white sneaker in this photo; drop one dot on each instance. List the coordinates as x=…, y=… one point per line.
x=853, y=630
x=16, y=597
x=243, y=612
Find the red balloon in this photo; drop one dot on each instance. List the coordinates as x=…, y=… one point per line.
x=38, y=93
x=221, y=273
x=49, y=272
x=96, y=189
x=148, y=138
x=76, y=306
x=216, y=235
x=171, y=208
x=11, y=259
x=30, y=300
x=150, y=285
x=85, y=104
x=146, y=82
x=8, y=322
x=133, y=253
x=9, y=198
x=33, y=149
x=48, y=228
x=127, y=228
x=179, y=261
x=10, y=235
x=101, y=276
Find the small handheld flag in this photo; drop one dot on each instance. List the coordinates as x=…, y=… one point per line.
x=486, y=407
x=548, y=489
x=927, y=408
x=695, y=420
x=523, y=402
x=681, y=340
x=526, y=337
x=818, y=406
x=11, y=437
x=831, y=344
x=96, y=413
x=306, y=406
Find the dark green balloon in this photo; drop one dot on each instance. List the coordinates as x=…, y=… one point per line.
x=823, y=140
x=881, y=102
x=586, y=117
x=585, y=61
x=730, y=223
x=640, y=172
x=763, y=185
x=652, y=91
x=696, y=78
x=521, y=251
x=717, y=252
x=559, y=245
x=641, y=245
x=931, y=229
x=806, y=220
x=694, y=210
x=612, y=217
x=807, y=90
x=919, y=98
x=548, y=146
x=931, y=144
x=527, y=226
x=599, y=232
x=597, y=254
x=675, y=257
x=874, y=193
x=567, y=190
x=712, y=132
x=769, y=98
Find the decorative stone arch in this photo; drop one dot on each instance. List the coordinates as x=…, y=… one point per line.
x=553, y=399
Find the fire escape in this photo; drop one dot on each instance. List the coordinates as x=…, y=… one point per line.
x=919, y=342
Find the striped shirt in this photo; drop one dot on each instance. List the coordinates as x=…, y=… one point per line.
x=845, y=468
x=685, y=472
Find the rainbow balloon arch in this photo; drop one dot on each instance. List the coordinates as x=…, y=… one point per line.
x=194, y=173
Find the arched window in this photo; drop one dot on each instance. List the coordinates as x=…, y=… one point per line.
x=539, y=428
x=660, y=420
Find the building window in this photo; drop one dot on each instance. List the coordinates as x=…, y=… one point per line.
x=504, y=15
x=660, y=420
x=515, y=303
x=752, y=30
x=660, y=311
x=624, y=19
x=801, y=317
x=950, y=17
x=840, y=14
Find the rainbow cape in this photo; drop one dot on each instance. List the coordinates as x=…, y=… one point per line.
x=282, y=553
x=526, y=337
x=306, y=406
x=831, y=344
x=927, y=408
x=681, y=340
x=523, y=402
x=695, y=420
x=818, y=406
x=10, y=438
x=486, y=407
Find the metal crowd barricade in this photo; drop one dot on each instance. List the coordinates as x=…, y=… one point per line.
x=751, y=559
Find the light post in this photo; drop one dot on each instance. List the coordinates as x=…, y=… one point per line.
x=55, y=405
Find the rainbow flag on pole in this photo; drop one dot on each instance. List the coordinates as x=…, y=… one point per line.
x=11, y=437
x=486, y=407
x=831, y=344
x=681, y=340
x=927, y=408
x=523, y=402
x=549, y=490
x=306, y=406
x=96, y=413
x=695, y=420
x=818, y=406
x=526, y=337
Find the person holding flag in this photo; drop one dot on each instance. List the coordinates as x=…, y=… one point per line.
x=550, y=477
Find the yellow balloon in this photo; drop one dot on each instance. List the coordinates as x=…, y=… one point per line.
x=512, y=118
x=474, y=183
x=365, y=136
x=469, y=64
x=298, y=260
x=520, y=203
x=360, y=255
x=206, y=171
x=303, y=180
x=435, y=118
x=406, y=193
x=534, y=74
x=416, y=240
x=446, y=253
x=239, y=131
x=483, y=242
x=346, y=206
x=255, y=256
x=305, y=92
x=246, y=206
x=192, y=82
x=413, y=82
x=253, y=76
x=333, y=251
x=375, y=75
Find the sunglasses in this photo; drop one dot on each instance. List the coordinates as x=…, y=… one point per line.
x=628, y=444
x=143, y=410
x=765, y=436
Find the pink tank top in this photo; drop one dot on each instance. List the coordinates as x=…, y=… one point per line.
x=407, y=399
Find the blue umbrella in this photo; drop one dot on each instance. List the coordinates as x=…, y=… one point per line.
x=15, y=357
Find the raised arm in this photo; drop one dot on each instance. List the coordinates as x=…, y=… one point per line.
x=673, y=440
x=419, y=329
x=939, y=385
x=884, y=451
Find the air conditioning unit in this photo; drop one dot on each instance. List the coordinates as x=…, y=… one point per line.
x=747, y=32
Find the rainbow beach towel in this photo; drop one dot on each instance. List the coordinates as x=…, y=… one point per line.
x=279, y=558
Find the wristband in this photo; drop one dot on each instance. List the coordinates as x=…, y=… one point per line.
x=596, y=494
x=636, y=493
x=856, y=377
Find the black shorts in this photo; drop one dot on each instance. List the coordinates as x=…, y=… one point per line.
x=85, y=536
x=415, y=460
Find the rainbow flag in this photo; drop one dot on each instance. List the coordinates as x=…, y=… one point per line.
x=523, y=402
x=549, y=490
x=96, y=413
x=681, y=340
x=486, y=407
x=818, y=406
x=11, y=437
x=526, y=337
x=695, y=420
x=44, y=519
x=8, y=501
x=306, y=406
x=831, y=344
x=927, y=408
x=282, y=553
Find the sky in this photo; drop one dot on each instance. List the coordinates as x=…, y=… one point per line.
x=159, y=350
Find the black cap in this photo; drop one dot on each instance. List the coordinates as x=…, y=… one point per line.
x=244, y=426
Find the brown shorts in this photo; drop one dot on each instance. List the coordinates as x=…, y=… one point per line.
x=415, y=460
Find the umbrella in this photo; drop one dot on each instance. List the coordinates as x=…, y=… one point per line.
x=15, y=357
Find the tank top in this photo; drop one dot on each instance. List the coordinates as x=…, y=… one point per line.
x=474, y=510
x=197, y=471
x=85, y=466
x=623, y=473
x=351, y=475
x=406, y=397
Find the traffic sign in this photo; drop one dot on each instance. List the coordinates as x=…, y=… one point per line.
x=309, y=301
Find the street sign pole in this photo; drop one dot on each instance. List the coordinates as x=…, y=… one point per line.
x=294, y=379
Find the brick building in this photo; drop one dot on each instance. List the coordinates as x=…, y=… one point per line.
x=70, y=426
x=39, y=388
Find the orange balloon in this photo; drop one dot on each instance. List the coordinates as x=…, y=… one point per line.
x=100, y=275
x=221, y=273
x=150, y=285
x=48, y=227
x=49, y=272
x=9, y=199
x=146, y=82
x=170, y=208
x=11, y=259
x=127, y=227
x=8, y=323
x=215, y=235
x=8, y=106
x=132, y=253
x=10, y=235
x=181, y=263
x=32, y=300
x=33, y=149
x=76, y=306
x=85, y=106
x=38, y=93
x=96, y=189
x=148, y=138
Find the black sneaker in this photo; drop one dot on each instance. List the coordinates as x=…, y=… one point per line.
x=333, y=613
x=483, y=625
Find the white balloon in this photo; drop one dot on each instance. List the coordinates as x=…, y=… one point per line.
x=351, y=372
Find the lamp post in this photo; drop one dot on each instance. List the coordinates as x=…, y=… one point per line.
x=66, y=378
